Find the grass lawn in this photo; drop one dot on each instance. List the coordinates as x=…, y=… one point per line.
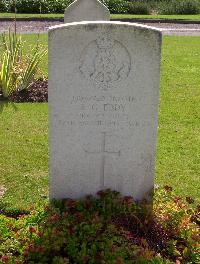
x=24, y=131
x=116, y=16
x=179, y=17
x=29, y=43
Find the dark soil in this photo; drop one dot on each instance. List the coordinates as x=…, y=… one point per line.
x=156, y=236
x=37, y=92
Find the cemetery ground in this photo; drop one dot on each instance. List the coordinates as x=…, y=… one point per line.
x=25, y=149
x=24, y=175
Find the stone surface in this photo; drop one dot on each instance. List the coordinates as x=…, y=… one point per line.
x=103, y=103
x=86, y=10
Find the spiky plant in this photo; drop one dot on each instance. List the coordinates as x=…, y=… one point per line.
x=16, y=70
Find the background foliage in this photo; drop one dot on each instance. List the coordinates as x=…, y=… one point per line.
x=115, y=6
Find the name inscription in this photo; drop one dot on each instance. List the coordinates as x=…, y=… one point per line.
x=104, y=112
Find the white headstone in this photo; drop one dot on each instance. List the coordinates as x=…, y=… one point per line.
x=86, y=10
x=103, y=101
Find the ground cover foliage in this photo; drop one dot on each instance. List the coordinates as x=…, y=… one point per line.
x=107, y=228
x=115, y=6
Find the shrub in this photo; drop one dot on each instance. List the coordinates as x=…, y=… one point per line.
x=34, y=6
x=180, y=7
x=16, y=71
x=108, y=228
x=37, y=6
x=4, y=6
x=142, y=8
x=117, y=6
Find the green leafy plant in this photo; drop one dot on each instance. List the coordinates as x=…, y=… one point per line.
x=179, y=7
x=139, y=7
x=4, y=6
x=117, y=6
x=34, y=6
x=107, y=228
x=16, y=71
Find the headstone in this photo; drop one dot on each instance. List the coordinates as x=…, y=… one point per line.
x=86, y=10
x=103, y=102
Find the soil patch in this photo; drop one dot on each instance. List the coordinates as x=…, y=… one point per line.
x=37, y=92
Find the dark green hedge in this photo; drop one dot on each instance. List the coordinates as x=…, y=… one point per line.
x=35, y=6
x=4, y=5
x=58, y=6
x=180, y=7
x=115, y=6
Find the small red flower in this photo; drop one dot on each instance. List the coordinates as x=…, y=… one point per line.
x=53, y=218
x=196, y=237
x=128, y=199
x=30, y=248
x=32, y=229
x=5, y=259
x=40, y=234
x=95, y=218
x=116, y=193
x=189, y=199
x=118, y=260
x=79, y=216
x=66, y=214
x=101, y=193
x=177, y=199
x=56, y=231
x=48, y=208
x=40, y=249
x=72, y=231
x=70, y=203
x=88, y=204
x=168, y=188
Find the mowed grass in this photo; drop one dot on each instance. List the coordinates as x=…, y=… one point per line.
x=24, y=154
x=164, y=17
x=178, y=151
x=113, y=16
x=24, y=131
x=30, y=41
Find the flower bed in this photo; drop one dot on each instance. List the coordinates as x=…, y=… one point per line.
x=108, y=228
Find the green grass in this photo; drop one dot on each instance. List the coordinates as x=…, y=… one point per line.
x=24, y=153
x=12, y=15
x=29, y=43
x=116, y=16
x=24, y=131
x=177, y=17
x=178, y=161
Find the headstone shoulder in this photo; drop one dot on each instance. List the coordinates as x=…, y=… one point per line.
x=117, y=24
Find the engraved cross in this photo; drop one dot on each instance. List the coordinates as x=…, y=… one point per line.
x=103, y=152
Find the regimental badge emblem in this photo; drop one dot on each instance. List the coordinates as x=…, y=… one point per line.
x=104, y=62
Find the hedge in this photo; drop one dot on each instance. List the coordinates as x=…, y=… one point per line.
x=115, y=6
